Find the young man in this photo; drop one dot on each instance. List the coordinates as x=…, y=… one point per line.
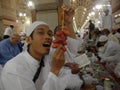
x=19, y=72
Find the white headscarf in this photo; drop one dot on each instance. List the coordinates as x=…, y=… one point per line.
x=31, y=29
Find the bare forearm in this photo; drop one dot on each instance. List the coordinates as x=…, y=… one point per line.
x=71, y=30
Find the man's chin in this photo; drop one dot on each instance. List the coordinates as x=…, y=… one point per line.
x=46, y=53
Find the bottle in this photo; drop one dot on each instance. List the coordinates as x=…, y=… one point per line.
x=107, y=84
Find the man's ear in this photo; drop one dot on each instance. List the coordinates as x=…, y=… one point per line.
x=28, y=39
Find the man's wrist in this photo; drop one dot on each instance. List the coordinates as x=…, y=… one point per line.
x=55, y=71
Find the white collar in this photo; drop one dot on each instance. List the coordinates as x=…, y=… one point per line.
x=30, y=59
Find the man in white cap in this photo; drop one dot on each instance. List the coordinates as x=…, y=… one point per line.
x=110, y=53
x=18, y=73
x=111, y=50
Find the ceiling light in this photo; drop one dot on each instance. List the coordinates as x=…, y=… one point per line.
x=17, y=21
x=89, y=14
x=116, y=15
x=73, y=0
x=98, y=6
x=92, y=13
x=98, y=22
x=30, y=3
x=85, y=9
x=20, y=14
x=24, y=14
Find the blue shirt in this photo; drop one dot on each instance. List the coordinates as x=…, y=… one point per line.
x=7, y=51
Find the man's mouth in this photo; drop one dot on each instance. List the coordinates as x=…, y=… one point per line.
x=47, y=44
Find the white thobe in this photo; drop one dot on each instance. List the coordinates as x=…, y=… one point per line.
x=111, y=52
x=8, y=31
x=18, y=73
x=107, y=22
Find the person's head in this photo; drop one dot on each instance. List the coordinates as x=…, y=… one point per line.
x=39, y=39
x=57, y=28
x=106, y=12
x=11, y=26
x=90, y=21
x=102, y=41
x=14, y=39
x=105, y=31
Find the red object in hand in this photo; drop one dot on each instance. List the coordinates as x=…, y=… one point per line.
x=63, y=48
x=58, y=40
x=59, y=33
x=55, y=45
x=61, y=39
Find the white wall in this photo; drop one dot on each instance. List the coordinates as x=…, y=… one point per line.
x=50, y=17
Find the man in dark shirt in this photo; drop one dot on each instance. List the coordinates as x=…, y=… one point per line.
x=91, y=29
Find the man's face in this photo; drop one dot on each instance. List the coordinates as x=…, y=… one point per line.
x=15, y=39
x=41, y=41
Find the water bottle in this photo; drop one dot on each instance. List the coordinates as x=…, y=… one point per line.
x=107, y=84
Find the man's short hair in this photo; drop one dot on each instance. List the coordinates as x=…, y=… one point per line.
x=11, y=26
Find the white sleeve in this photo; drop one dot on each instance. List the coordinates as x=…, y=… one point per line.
x=53, y=83
x=15, y=82
x=73, y=81
x=73, y=45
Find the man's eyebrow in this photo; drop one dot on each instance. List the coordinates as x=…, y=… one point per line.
x=51, y=31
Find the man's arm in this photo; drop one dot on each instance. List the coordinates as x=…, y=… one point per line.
x=69, y=12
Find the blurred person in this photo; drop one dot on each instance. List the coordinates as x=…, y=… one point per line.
x=109, y=35
x=91, y=29
x=114, y=31
x=110, y=51
x=70, y=69
x=109, y=54
x=8, y=32
x=9, y=48
x=117, y=35
x=107, y=21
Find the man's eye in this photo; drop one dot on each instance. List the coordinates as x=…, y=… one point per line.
x=41, y=33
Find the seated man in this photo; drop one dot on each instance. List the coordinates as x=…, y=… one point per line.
x=109, y=53
x=70, y=69
x=9, y=48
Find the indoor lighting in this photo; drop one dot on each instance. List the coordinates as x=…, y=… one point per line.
x=98, y=6
x=30, y=3
x=92, y=13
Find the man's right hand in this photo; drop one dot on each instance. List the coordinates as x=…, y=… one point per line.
x=58, y=60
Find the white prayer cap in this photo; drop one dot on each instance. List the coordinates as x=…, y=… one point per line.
x=31, y=29
x=33, y=26
x=103, y=38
